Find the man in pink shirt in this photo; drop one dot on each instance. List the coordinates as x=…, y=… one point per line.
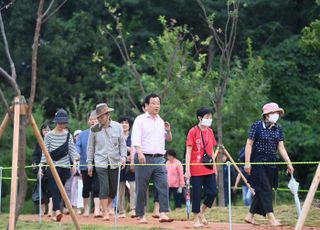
x=149, y=133
x=175, y=177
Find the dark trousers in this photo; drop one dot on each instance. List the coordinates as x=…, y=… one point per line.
x=158, y=173
x=262, y=200
x=155, y=194
x=64, y=174
x=177, y=197
x=90, y=184
x=108, y=181
x=208, y=184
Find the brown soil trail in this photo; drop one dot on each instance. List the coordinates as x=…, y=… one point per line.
x=154, y=223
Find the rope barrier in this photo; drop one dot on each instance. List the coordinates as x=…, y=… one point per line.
x=184, y=164
x=9, y=178
x=151, y=184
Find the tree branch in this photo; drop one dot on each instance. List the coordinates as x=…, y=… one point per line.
x=6, y=48
x=227, y=24
x=122, y=47
x=5, y=102
x=7, y=5
x=53, y=12
x=131, y=99
x=171, y=65
x=35, y=47
x=48, y=9
x=11, y=81
x=211, y=27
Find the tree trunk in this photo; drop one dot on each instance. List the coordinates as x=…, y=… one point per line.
x=23, y=183
x=218, y=107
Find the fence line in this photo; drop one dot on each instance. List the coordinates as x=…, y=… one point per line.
x=184, y=164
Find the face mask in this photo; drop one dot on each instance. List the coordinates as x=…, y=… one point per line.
x=206, y=122
x=273, y=118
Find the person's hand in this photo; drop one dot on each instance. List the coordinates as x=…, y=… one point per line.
x=187, y=175
x=234, y=189
x=179, y=190
x=90, y=171
x=74, y=169
x=167, y=126
x=132, y=166
x=123, y=163
x=247, y=168
x=290, y=169
x=142, y=158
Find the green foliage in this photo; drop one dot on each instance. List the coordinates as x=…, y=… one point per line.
x=245, y=97
x=169, y=69
x=311, y=37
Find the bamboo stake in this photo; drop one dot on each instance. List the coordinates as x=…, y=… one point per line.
x=54, y=172
x=238, y=170
x=307, y=203
x=4, y=124
x=14, y=172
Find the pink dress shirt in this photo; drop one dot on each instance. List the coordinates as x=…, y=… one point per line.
x=148, y=133
x=175, y=174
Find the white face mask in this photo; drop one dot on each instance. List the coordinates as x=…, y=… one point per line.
x=273, y=118
x=206, y=122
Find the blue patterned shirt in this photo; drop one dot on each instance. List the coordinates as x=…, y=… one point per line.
x=266, y=141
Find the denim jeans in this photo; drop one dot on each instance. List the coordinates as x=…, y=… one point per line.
x=246, y=195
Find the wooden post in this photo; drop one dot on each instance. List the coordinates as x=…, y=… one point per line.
x=54, y=172
x=14, y=172
x=4, y=124
x=238, y=170
x=309, y=199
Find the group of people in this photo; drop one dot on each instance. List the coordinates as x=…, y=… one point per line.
x=141, y=156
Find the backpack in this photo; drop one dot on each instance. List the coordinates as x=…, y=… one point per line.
x=242, y=152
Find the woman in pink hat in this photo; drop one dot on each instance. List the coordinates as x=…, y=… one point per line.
x=264, y=140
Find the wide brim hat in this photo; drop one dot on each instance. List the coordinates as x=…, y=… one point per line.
x=61, y=116
x=102, y=108
x=272, y=108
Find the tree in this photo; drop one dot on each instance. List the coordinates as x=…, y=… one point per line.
x=224, y=42
x=247, y=93
x=11, y=79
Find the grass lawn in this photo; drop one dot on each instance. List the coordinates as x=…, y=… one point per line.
x=285, y=213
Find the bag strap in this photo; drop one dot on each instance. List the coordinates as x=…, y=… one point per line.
x=204, y=145
x=68, y=135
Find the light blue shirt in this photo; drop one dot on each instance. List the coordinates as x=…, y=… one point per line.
x=81, y=146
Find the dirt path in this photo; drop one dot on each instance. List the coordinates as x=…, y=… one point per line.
x=154, y=223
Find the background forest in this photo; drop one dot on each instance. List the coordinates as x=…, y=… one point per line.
x=166, y=47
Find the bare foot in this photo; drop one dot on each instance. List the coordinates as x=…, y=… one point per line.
x=197, y=225
x=58, y=216
x=156, y=216
x=164, y=218
x=275, y=223
x=86, y=212
x=142, y=220
x=250, y=221
x=106, y=217
x=203, y=219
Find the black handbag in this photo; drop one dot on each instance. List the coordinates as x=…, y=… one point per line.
x=61, y=151
x=36, y=194
x=206, y=159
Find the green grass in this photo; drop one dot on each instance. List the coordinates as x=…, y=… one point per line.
x=285, y=213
